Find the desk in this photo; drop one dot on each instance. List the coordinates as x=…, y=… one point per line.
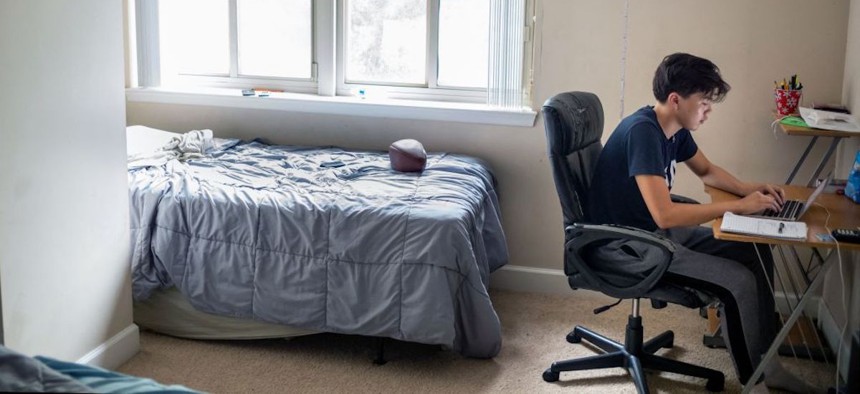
x=843, y=214
x=814, y=133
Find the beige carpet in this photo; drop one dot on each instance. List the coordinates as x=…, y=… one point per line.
x=533, y=329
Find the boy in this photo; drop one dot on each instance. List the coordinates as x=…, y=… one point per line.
x=631, y=185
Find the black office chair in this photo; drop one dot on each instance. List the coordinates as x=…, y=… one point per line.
x=574, y=125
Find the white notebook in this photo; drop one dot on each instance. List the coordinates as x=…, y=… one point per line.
x=762, y=227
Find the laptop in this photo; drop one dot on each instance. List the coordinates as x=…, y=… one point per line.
x=793, y=210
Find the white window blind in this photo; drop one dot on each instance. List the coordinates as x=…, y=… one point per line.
x=505, y=84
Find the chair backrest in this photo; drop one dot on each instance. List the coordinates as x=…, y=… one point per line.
x=574, y=124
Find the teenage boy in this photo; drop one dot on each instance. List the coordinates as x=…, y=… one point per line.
x=631, y=185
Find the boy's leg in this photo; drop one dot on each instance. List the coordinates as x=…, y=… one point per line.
x=736, y=283
x=756, y=257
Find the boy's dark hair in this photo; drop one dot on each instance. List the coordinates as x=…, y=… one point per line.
x=686, y=74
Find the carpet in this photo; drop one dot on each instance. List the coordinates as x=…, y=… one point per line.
x=534, y=327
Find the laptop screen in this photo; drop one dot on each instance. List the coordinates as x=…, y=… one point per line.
x=815, y=194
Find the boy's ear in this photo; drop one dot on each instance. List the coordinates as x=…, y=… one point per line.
x=673, y=100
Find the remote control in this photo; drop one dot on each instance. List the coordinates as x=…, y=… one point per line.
x=846, y=235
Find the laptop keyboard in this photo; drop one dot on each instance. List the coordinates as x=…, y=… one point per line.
x=788, y=211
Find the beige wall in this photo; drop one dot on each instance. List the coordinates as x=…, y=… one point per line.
x=580, y=46
x=64, y=237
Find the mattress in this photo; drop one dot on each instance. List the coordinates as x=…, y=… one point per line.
x=320, y=238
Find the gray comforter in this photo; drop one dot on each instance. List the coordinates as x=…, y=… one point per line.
x=323, y=239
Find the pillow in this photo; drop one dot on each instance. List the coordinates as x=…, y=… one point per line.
x=142, y=139
x=407, y=156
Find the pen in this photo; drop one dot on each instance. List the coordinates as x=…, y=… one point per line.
x=781, y=226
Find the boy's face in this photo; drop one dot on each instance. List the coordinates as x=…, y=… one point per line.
x=693, y=110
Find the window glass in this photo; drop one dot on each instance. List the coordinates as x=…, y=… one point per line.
x=275, y=38
x=386, y=41
x=194, y=37
x=463, y=43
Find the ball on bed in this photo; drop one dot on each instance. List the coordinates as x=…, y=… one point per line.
x=407, y=156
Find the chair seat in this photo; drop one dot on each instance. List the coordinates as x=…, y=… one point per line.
x=664, y=291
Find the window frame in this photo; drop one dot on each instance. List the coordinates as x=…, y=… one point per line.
x=323, y=93
x=148, y=9
x=430, y=90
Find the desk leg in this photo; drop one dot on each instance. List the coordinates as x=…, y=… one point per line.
x=824, y=160
x=783, y=332
x=802, y=159
x=796, y=289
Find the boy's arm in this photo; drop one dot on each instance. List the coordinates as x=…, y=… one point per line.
x=668, y=214
x=715, y=176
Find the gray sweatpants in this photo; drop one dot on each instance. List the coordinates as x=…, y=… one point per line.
x=733, y=273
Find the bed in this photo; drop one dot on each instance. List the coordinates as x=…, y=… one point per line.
x=317, y=239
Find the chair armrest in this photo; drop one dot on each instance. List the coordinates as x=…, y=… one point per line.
x=683, y=199
x=579, y=236
x=599, y=232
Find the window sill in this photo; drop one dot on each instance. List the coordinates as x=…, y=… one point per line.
x=340, y=105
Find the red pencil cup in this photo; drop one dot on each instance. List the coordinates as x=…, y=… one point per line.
x=786, y=101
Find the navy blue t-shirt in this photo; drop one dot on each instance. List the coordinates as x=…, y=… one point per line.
x=636, y=147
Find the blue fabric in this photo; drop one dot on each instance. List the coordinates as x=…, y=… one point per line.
x=636, y=147
x=20, y=373
x=104, y=381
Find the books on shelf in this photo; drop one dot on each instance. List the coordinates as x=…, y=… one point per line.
x=740, y=224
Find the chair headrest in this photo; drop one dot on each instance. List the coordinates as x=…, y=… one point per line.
x=574, y=121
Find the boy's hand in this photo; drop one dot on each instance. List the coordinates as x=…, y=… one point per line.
x=756, y=202
x=772, y=190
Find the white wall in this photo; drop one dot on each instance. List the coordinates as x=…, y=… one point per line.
x=851, y=89
x=837, y=302
x=64, y=237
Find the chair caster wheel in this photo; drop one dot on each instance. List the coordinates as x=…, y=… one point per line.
x=550, y=376
x=715, y=384
x=671, y=343
x=573, y=338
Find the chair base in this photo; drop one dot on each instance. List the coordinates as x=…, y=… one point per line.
x=633, y=355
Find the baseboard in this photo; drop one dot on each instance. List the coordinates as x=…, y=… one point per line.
x=116, y=350
x=539, y=280
x=783, y=302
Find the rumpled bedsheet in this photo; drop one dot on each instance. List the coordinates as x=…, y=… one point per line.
x=324, y=239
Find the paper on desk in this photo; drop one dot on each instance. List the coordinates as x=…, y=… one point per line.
x=829, y=120
x=762, y=227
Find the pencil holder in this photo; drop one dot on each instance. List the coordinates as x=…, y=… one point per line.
x=786, y=101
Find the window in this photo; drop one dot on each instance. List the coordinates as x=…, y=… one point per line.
x=440, y=50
